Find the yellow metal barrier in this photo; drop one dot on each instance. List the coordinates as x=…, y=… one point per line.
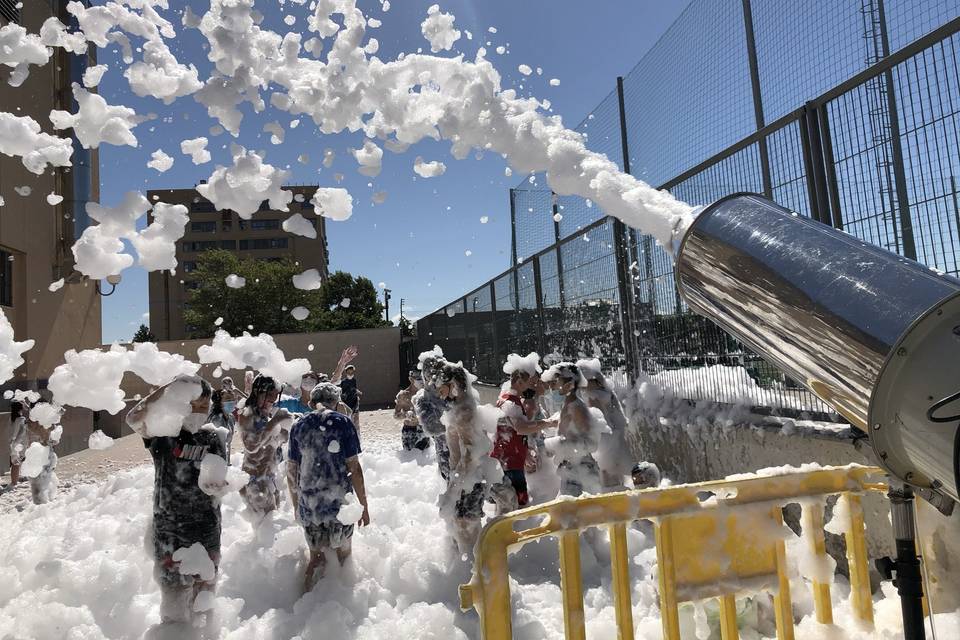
x=728, y=545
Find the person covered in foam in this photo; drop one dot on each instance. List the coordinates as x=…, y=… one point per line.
x=429, y=407
x=613, y=454
x=473, y=473
x=263, y=429
x=325, y=480
x=412, y=435
x=511, y=444
x=184, y=535
x=579, y=432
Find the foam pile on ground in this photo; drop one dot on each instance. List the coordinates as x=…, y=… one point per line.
x=244, y=186
x=20, y=136
x=11, y=351
x=91, y=378
x=401, y=581
x=253, y=352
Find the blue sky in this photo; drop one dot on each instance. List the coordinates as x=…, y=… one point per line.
x=415, y=242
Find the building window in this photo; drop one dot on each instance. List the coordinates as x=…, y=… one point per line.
x=263, y=243
x=264, y=225
x=189, y=266
x=228, y=244
x=203, y=227
x=9, y=10
x=200, y=245
x=202, y=206
x=226, y=225
x=6, y=279
x=243, y=225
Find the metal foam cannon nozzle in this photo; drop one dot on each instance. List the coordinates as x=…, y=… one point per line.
x=874, y=335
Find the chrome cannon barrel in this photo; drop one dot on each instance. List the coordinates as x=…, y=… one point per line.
x=874, y=335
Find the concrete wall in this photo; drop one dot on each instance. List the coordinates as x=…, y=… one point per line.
x=378, y=365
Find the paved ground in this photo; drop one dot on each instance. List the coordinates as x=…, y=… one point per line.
x=378, y=428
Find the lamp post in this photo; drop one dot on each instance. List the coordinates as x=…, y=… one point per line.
x=113, y=280
x=386, y=303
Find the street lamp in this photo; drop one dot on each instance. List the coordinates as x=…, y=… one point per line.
x=113, y=280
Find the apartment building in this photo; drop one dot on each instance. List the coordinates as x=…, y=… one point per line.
x=35, y=236
x=260, y=238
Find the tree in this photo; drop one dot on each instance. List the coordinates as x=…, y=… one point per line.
x=349, y=303
x=143, y=335
x=407, y=328
x=267, y=298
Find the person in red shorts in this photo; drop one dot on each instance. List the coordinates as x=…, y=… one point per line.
x=510, y=446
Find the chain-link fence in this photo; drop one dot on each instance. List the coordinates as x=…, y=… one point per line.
x=749, y=108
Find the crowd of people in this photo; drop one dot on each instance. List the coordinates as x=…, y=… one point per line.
x=486, y=454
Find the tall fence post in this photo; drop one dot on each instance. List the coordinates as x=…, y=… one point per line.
x=493, y=321
x=556, y=232
x=538, y=288
x=757, y=100
x=513, y=229
x=625, y=287
x=896, y=146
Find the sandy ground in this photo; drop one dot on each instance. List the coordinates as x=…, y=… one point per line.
x=379, y=429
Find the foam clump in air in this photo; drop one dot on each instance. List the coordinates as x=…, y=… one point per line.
x=98, y=441
x=160, y=161
x=20, y=136
x=160, y=75
x=369, y=157
x=253, y=352
x=309, y=280
x=93, y=75
x=195, y=561
x=20, y=49
x=91, y=378
x=300, y=313
x=157, y=244
x=243, y=186
x=35, y=459
x=428, y=169
x=528, y=364
x=235, y=282
x=217, y=478
x=299, y=226
x=46, y=414
x=11, y=351
x=96, y=121
x=196, y=148
x=438, y=29
x=333, y=202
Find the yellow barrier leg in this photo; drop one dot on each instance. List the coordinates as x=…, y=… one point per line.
x=813, y=532
x=783, y=605
x=860, y=595
x=494, y=593
x=571, y=586
x=669, y=613
x=619, y=564
x=728, y=617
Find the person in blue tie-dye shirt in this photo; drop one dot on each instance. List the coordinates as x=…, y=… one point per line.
x=325, y=480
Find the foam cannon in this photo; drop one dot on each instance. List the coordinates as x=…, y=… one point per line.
x=874, y=335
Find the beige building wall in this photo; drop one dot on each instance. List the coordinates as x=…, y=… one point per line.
x=226, y=230
x=36, y=236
